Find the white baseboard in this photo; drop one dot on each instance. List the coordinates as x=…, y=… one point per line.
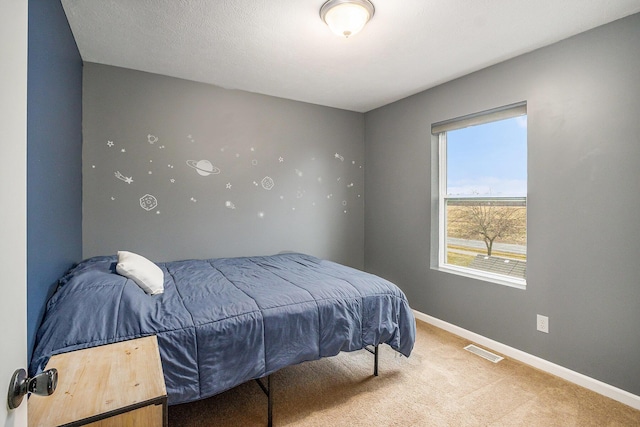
x=544, y=365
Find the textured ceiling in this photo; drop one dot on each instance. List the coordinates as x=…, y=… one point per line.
x=282, y=48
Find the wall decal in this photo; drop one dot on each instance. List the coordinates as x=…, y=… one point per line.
x=148, y=202
x=267, y=183
x=203, y=167
x=290, y=191
x=121, y=177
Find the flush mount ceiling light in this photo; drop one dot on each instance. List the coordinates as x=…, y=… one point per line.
x=346, y=17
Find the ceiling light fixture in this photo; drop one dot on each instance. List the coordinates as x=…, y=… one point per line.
x=346, y=17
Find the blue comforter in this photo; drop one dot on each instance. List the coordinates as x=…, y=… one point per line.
x=222, y=322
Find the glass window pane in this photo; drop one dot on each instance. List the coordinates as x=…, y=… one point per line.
x=488, y=235
x=485, y=201
x=488, y=159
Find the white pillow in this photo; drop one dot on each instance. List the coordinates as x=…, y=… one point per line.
x=142, y=271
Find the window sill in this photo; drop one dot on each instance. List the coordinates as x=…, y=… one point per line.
x=499, y=279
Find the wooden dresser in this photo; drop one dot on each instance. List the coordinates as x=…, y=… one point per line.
x=118, y=384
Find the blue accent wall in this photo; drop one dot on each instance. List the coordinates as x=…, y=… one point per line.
x=54, y=156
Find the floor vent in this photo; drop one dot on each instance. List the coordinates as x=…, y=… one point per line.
x=483, y=353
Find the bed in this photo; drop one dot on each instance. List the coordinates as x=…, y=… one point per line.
x=222, y=322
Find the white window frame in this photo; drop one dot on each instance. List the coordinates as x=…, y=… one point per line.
x=440, y=130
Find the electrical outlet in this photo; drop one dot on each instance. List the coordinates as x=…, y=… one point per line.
x=542, y=323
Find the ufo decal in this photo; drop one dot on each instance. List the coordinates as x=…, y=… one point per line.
x=203, y=167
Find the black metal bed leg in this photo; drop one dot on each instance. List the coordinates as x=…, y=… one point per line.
x=267, y=390
x=375, y=359
x=269, y=403
x=375, y=363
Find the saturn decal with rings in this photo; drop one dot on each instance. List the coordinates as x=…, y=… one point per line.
x=203, y=167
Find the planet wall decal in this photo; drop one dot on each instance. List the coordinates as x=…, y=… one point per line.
x=148, y=202
x=203, y=167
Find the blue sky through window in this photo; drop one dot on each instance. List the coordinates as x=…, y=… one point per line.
x=488, y=159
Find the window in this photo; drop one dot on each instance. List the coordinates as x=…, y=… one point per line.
x=482, y=195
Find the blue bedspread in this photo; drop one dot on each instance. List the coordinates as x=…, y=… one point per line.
x=222, y=322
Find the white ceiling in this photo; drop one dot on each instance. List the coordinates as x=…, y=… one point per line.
x=282, y=48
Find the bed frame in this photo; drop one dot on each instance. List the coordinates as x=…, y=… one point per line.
x=268, y=390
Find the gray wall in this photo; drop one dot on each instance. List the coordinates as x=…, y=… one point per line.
x=174, y=169
x=583, y=98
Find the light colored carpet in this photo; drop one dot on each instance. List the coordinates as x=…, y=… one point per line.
x=441, y=384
